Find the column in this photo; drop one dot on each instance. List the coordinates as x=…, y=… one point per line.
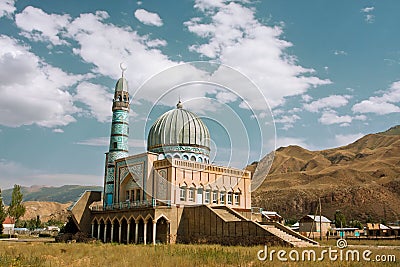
x=98, y=231
x=105, y=232
x=145, y=232
x=119, y=233
x=112, y=232
x=128, y=232
x=136, y=231
x=92, y=230
x=154, y=231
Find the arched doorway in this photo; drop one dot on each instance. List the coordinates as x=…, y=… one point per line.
x=115, y=231
x=124, y=231
x=107, y=231
x=162, y=233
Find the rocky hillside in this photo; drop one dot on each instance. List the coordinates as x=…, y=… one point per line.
x=361, y=179
x=46, y=210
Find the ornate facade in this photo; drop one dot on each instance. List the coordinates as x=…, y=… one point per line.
x=171, y=193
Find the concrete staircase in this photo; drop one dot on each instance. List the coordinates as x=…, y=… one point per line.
x=227, y=214
x=289, y=237
x=285, y=234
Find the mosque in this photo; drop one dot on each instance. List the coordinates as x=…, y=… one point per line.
x=172, y=193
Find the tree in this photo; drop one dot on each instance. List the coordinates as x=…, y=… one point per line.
x=16, y=209
x=356, y=224
x=3, y=213
x=340, y=219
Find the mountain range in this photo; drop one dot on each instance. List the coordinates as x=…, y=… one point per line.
x=361, y=179
x=63, y=194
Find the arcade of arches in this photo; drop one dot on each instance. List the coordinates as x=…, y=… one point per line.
x=137, y=230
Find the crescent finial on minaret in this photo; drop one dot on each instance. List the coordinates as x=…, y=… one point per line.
x=123, y=68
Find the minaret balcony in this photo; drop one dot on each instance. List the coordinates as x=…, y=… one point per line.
x=120, y=105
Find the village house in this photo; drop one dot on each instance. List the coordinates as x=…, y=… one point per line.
x=8, y=226
x=311, y=226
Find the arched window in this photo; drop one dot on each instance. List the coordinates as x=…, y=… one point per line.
x=182, y=192
x=177, y=156
x=222, y=197
x=185, y=157
x=125, y=98
x=191, y=194
x=215, y=197
x=236, y=198
x=207, y=196
x=193, y=158
x=229, y=201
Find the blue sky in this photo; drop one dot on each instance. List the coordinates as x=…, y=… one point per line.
x=329, y=70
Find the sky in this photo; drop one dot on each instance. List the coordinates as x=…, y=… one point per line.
x=327, y=71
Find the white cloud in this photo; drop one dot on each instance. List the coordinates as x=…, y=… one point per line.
x=58, y=130
x=156, y=42
x=7, y=7
x=332, y=101
x=148, y=18
x=331, y=117
x=345, y=139
x=97, y=98
x=205, y=5
x=287, y=121
x=340, y=52
x=369, y=18
x=40, y=26
x=94, y=36
x=41, y=89
x=367, y=9
x=236, y=38
x=225, y=97
x=380, y=108
x=306, y=98
x=381, y=105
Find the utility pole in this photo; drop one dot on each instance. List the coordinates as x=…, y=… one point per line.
x=320, y=219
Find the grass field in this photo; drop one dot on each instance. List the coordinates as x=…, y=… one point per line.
x=98, y=254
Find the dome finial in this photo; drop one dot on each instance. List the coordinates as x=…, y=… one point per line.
x=179, y=105
x=123, y=68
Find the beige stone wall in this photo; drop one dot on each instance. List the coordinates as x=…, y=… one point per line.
x=201, y=225
x=200, y=178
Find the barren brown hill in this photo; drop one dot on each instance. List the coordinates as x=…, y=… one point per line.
x=361, y=179
x=46, y=210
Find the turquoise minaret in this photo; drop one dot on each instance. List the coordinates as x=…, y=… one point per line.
x=119, y=137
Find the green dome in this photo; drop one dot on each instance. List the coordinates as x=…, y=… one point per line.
x=179, y=131
x=122, y=85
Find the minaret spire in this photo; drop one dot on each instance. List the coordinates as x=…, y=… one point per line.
x=119, y=136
